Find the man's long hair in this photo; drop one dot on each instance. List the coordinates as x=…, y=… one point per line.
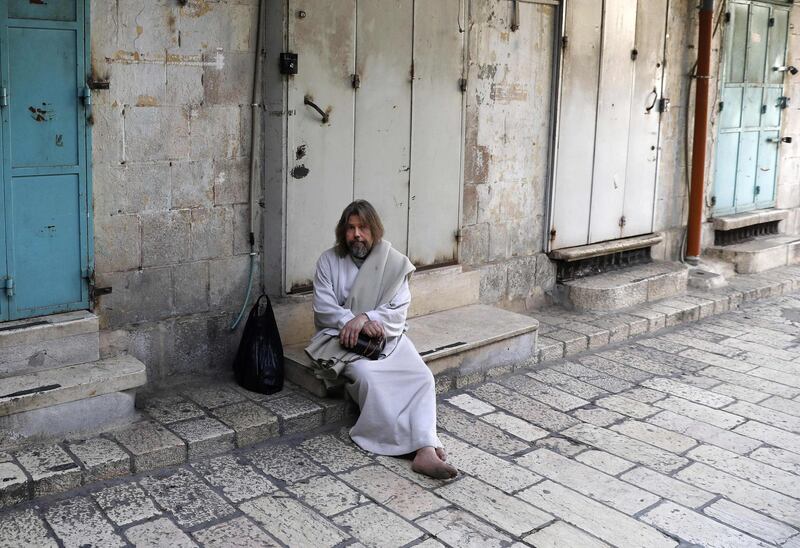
x=368, y=216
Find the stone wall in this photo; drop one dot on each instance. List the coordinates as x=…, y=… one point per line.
x=507, y=148
x=788, y=191
x=171, y=160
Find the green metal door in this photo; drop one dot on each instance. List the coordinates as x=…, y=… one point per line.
x=751, y=103
x=46, y=256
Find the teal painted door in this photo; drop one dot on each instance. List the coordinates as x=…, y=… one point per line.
x=46, y=257
x=751, y=103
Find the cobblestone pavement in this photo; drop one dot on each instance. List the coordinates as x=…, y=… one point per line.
x=688, y=437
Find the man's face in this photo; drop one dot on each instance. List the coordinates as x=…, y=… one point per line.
x=359, y=237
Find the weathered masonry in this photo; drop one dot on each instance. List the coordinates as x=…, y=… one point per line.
x=523, y=153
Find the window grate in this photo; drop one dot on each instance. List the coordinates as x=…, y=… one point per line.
x=745, y=233
x=591, y=266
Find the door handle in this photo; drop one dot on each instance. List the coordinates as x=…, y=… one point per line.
x=779, y=140
x=309, y=102
x=652, y=105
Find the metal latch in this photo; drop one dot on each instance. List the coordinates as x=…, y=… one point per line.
x=783, y=102
x=663, y=104
x=3, y=96
x=780, y=140
x=9, y=286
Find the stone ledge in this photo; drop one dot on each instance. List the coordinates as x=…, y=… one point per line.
x=750, y=218
x=458, y=342
x=71, y=383
x=623, y=288
x=760, y=254
x=604, y=248
x=433, y=290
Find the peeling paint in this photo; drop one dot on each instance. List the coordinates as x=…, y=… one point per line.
x=146, y=101
x=298, y=172
x=41, y=114
x=134, y=57
x=300, y=153
x=196, y=8
x=487, y=72
x=503, y=93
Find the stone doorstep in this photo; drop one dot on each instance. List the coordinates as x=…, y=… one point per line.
x=624, y=288
x=605, y=248
x=454, y=343
x=759, y=254
x=433, y=290
x=741, y=220
x=254, y=418
x=49, y=341
x=41, y=389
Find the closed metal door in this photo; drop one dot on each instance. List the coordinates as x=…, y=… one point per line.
x=44, y=138
x=750, y=107
x=608, y=120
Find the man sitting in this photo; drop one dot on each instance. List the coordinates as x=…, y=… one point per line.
x=361, y=286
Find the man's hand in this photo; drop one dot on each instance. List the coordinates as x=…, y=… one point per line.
x=349, y=333
x=374, y=328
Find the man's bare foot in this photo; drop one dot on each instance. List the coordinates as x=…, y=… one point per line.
x=441, y=453
x=427, y=462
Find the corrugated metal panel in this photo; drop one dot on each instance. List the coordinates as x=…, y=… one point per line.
x=320, y=181
x=383, y=111
x=436, y=132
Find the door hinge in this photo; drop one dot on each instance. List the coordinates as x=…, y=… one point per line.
x=713, y=201
x=771, y=22
x=634, y=54
x=783, y=102
x=356, y=80
x=763, y=109
x=458, y=235
x=462, y=85
x=86, y=96
x=9, y=286
x=758, y=190
x=721, y=105
x=727, y=17
x=553, y=235
x=3, y=96
x=564, y=42
x=622, y=221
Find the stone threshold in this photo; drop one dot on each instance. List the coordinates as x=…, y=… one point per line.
x=196, y=419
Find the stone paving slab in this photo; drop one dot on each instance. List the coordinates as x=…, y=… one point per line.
x=688, y=439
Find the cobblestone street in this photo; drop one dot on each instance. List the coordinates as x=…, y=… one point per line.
x=690, y=436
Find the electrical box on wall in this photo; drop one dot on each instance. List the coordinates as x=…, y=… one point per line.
x=288, y=63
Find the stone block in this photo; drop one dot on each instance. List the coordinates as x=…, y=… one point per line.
x=184, y=495
x=185, y=84
x=190, y=287
x=117, y=243
x=228, y=282
x=138, y=84
x=13, y=485
x=125, y=503
x=50, y=468
x=521, y=277
x=160, y=531
x=231, y=179
x=233, y=83
x=137, y=296
x=207, y=26
x=192, y=184
x=234, y=477
x=151, y=445
x=241, y=228
x=75, y=519
x=212, y=233
x=292, y=523
x=297, y=414
x=494, y=282
x=156, y=133
x=474, y=248
x=166, y=237
x=101, y=459
x=132, y=188
x=235, y=532
x=149, y=28
x=442, y=289
x=204, y=437
x=107, y=134
x=215, y=132
x=251, y=422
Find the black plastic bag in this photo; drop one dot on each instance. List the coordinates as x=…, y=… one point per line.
x=259, y=361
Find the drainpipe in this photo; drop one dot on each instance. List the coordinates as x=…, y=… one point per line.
x=703, y=76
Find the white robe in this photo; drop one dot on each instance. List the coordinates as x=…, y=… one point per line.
x=396, y=394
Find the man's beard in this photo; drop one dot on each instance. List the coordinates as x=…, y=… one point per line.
x=359, y=250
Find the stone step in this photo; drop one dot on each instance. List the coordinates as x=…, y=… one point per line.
x=459, y=343
x=582, y=252
x=48, y=342
x=623, y=288
x=759, y=254
x=750, y=218
x=432, y=290
x=66, y=399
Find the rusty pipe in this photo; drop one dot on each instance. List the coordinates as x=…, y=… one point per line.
x=703, y=76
